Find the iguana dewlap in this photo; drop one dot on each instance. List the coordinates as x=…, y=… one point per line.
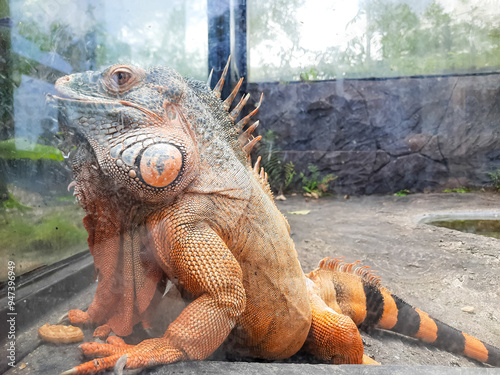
x=169, y=194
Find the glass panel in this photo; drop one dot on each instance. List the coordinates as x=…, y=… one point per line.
x=310, y=40
x=43, y=40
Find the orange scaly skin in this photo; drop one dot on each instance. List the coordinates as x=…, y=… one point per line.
x=170, y=196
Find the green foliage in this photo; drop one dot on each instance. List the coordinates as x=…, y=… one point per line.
x=495, y=179
x=280, y=175
x=274, y=20
x=309, y=75
x=313, y=184
x=402, y=193
x=58, y=36
x=21, y=148
x=175, y=52
x=289, y=174
x=66, y=199
x=461, y=190
x=54, y=231
x=41, y=234
x=268, y=139
x=387, y=38
x=13, y=204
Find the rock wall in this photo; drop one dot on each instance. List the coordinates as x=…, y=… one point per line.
x=382, y=136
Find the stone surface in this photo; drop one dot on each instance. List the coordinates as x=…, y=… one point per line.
x=382, y=136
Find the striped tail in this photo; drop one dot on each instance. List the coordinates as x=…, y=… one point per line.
x=359, y=295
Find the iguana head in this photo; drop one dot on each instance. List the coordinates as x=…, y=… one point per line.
x=131, y=125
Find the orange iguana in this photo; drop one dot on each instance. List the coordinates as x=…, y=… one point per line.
x=170, y=196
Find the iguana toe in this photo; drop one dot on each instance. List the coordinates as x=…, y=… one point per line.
x=119, y=355
x=102, y=332
x=78, y=317
x=116, y=341
x=96, y=349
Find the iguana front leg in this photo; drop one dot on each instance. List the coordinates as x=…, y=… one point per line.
x=206, y=268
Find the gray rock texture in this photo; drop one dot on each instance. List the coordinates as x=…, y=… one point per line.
x=382, y=136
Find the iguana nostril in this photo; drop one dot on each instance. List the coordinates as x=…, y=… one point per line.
x=63, y=80
x=160, y=164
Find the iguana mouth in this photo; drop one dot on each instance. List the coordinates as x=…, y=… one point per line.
x=71, y=136
x=73, y=142
x=66, y=98
x=69, y=106
x=61, y=99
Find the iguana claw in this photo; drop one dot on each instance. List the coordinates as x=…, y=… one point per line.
x=120, y=365
x=69, y=372
x=63, y=319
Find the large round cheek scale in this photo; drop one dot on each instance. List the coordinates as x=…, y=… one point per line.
x=160, y=164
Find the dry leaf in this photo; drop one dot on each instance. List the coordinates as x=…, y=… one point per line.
x=302, y=212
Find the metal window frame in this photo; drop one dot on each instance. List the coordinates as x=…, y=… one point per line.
x=227, y=35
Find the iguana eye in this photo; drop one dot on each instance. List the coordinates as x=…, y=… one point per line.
x=121, y=77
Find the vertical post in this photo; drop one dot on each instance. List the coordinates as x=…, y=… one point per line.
x=6, y=92
x=91, y=37
x=239, y=46
x=90, y=50
x=219, y=45
x=6, y=85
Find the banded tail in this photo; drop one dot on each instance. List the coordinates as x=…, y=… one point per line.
x=357, y=292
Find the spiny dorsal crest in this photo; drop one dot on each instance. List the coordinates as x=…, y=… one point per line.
x=338, y=264
x=262, y=176
x=245, y=139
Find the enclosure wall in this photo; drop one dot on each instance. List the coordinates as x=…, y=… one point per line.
x=382, y=136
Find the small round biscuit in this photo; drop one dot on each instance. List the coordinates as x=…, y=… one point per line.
x=60, y=334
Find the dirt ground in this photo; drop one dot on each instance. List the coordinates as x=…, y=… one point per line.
x=439, y=270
